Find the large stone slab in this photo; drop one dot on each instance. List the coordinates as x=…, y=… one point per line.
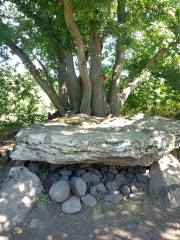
x=17, y=195
x=126, y=141
x=165, y=180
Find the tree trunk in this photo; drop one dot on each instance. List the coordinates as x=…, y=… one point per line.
x=48, y=89
x=82, y=64
x=99, y=107
x=113, y=95
x=75, y=90
x=63, y=85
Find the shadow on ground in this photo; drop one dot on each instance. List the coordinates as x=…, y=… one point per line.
x=137, y=220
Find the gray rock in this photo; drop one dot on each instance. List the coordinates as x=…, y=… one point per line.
x=78, y=186
x=53, y=180
x=150, y=139
x=142, y=178
x=34, y=223
x=136, y=195
x=115, y=198
x=17, y=196
x=101, y=188
x=111, y=186
x=130, y=175
x=84, y=165
x=97, y=172
x=143, y=170
x=104, y=169
x=133, y=189
x=121, y=179
x=43, y=176
x=71, y=205
x=115, y=192
x=114, y=171
x=110, y=176
x=79, y=172
x=130, y=170
x=65, y=177
x=33, y=167
x=65, y=172
x=125, y=190
x=165, y=180
x=57, y=176
x=89, y=201
x=91, y=179
x=59, y=192
x=52, y=168
x=135, y=183
x=104, y=179
x=112, y=167
x=93, y=191
x=71, y=167
x=90, y=169
x=4, y=159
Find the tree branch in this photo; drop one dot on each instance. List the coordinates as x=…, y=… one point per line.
x=45, y=72
x=144, y=75
x=36, y=75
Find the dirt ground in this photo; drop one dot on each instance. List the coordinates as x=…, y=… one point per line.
x=145, y=219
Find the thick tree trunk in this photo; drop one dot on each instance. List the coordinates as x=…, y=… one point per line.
x=63, y=84
x=99, y=107
x=113, y=96
x=75, y=90
x=48, y=89
x=62, y=77
x=82, y=64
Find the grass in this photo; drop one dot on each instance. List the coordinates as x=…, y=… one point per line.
x=153, y=197
x=78, y=121
x=43, y=199
x=128, y=209
x=7, y=131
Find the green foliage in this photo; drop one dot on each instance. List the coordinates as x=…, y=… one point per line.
x=20, y=102
x=160, y=95
x=44, y=168
x=39, y=28
x=43, y=199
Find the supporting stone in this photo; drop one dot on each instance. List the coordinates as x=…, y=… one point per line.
x=165, y=180
x=17, y=195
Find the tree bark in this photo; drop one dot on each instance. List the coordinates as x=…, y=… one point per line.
x=99, y=107
x=82, y=64
x=75, y=90
x=48, y=89
x=113, y=95
x=63, y=84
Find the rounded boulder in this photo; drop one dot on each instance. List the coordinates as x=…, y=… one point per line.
x=59, y=191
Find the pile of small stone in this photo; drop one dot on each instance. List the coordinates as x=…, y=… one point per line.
x=74, y=184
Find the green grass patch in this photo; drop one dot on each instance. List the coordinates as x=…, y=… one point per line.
x=43, y=199
x=8, y=130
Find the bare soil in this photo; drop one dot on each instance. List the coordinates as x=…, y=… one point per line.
x=144, y=219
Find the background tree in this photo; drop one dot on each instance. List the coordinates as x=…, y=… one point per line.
x=49, y=37
x=20, y=100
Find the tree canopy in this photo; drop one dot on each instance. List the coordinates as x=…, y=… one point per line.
x=88, y=56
